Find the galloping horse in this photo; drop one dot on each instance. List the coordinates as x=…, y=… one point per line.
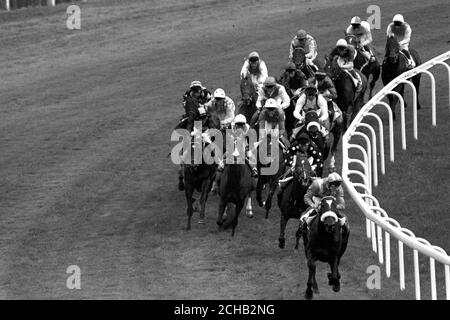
x=347, y=100
x=249, y=95
x=394, y=64
x=291, y=196
x=365, y=66
x=324, y=241
x=270, y=180
x=235, y=187
x=199, y=176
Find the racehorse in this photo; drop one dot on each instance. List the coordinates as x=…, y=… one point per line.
x=347, y=100
x=235, y=187
x=324, y=241
x=249, y=95
x=365, y=66
x=299, y=59
x=291, y=196
x=269, y=180
x=394, y=64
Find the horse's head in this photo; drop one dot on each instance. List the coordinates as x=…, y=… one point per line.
x=299, y=57
x=248, y=88
x=303, y=171
x=392, y=48
x=328, y=213
x=351, y=40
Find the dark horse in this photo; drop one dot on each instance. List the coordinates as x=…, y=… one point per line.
x=249, y=95
x=347, y=100
x=291, y=196
x=394, y=64
x=324, y=241
x=366, y=67
x=235, y=187
x=269, y=180
x=197, y=177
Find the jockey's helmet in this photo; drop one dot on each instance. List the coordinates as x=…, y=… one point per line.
x=334, y=178
x=240, y=119
x=219, y=94
x=398, y=18
x=195, y=84
x=290, y=66
x=301, y=34
x=269, y=82
x=271, y=103
x=341, y=43
x=253, y=56
x=356, y=21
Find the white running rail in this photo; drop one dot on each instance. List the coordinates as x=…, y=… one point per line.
x=377, y=220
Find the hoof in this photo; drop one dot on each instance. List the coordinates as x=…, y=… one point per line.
x=337, y=287
x=219, y=223
x=281, y=243
x=308, y=294
x=201, y=221
x=180, y=186
x=260, y=203
x=249, y=213
x=316, y=289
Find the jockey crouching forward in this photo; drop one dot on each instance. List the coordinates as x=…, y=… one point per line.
x=255, y=68
x=327, y=89
x=311, y=100
x=203, y=95
x=271, y=121
x=345, y=62
x=223, y=106
x=330, y=186
x=306, y=42
x=361, y=31
x=402, y=30
x=239, y=129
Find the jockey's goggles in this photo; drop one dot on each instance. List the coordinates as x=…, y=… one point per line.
x=253, y=59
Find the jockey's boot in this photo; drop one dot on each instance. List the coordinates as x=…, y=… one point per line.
x=180, y=179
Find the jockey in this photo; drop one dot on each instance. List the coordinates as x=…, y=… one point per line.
x=271, y=120
x=223, y=106
x=327, y=89
x=309, y=100
x=361, y=30
x=306, y=42
x=345, y=62
x=402, y=30
x=305, y=146
x=255, y=68
x=272, y=90
x=204, y=96
x=192, y=100
x=239, y=128
x=330, y=186
x=292, y=79
x=341, y=44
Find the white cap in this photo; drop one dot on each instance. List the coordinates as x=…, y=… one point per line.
x=341, y=43
x=240, y=118
x=271, y=103
x=219, y=93
x=356, y=20
x=334, y=176
x=399, y=18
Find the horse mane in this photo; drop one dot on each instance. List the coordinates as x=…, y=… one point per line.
x=347, y=54
x=271, y=119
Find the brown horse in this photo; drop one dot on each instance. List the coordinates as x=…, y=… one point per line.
x=249, y=95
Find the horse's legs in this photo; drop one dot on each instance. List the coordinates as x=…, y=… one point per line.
x=189, y=191
x=334, y=276
x=238, y=208
x=311, y=278
x=248, y=207
x=203, y=199
x=268, y=204
x=259, y=186
x=337, y=131
x=220, y=213
x=416, y=83
x=281, y=239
